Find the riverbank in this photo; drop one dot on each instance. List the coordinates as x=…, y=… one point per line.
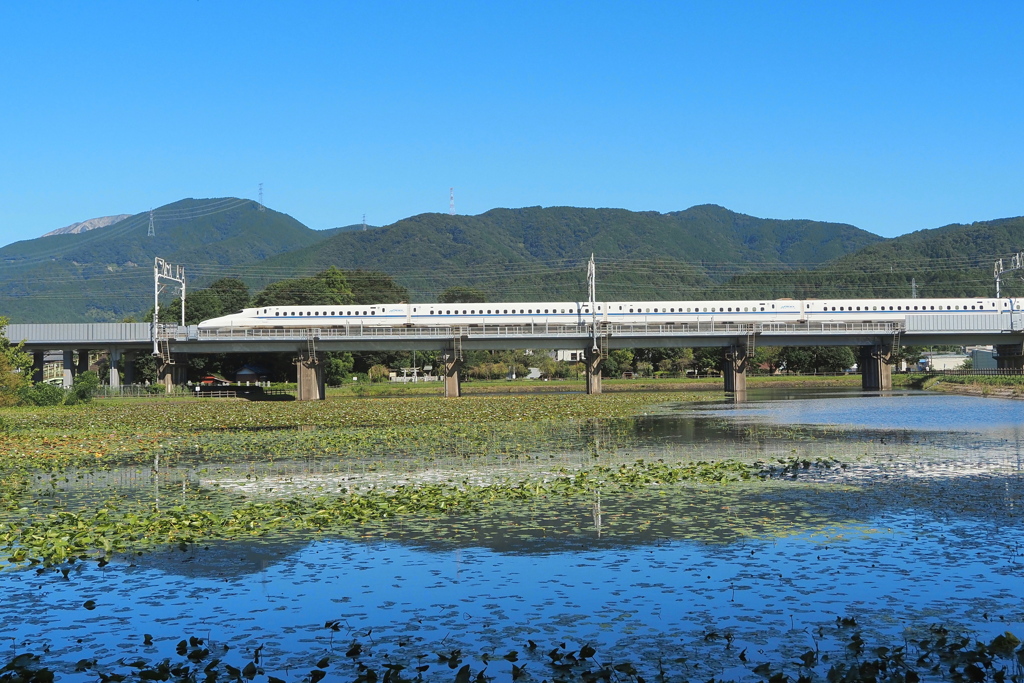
x=532, y=386
x=975, y=385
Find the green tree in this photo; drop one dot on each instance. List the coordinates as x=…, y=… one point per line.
x=85, y=386
x=338, y=367
x=767, y=359
x=15, y=368
x=379, y=373
x=329, y=287
x=233, y=294
x=817, y=358
x=707, y=360
x=373, y=287
x=461, y=295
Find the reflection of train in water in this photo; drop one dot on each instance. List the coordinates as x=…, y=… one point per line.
x=613, y=312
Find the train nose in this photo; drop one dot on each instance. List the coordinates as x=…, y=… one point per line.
x=215, y=323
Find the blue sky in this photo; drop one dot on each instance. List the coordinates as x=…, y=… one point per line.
x=890, y=116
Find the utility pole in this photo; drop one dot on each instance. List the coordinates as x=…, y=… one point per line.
x=913, y=288
x=592, y=294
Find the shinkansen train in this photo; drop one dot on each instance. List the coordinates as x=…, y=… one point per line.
x=613, y=312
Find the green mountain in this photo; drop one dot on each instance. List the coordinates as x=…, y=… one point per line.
x=106, y=274
x=540, y=252
x=509, y=254
x=954, y=260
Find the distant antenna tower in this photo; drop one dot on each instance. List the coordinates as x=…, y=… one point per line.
x=451, y=201
x=913, y=288
x=262, y=208
x=152, y=228
x=364, y=222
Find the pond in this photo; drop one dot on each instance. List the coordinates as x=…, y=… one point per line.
x=916, y=526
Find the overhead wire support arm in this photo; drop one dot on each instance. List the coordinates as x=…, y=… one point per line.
x=1016, y=263
x=162, y=270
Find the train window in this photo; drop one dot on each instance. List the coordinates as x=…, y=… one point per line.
x=545, y=310
x=858, y=308
x=655, y=310
x=841, y=308
x=706, y=309
x=620, y=308
x=972, y=308
x=373, y=312
x=276, y=313
x=933, y=308
x=473, y=312
x=762, y=309
x=631, y=310
x=648, y=310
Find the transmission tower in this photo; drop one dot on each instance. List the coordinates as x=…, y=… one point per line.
x=262, y=208
x=152, y=228
x=451, y=201
x=364, y=222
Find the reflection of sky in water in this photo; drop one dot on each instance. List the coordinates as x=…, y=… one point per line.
x=934, y=536
x=910, y=411
x=644, y=598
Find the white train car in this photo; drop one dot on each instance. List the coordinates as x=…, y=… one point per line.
x=614, y=312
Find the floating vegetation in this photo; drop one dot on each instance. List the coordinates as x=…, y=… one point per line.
x=840, y=654
x=118, y=527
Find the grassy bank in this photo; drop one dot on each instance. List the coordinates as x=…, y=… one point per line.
x=668, y=384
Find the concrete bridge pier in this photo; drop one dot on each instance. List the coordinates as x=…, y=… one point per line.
x=309, y=379
x=592, y=358
x=69, y=368
x=38, y=361
x=114, y=374
x=452, y=365
x=1010, y=356
x=734, y=369
x=129, y=367
x=83, y=362
x=175, y=373
x=875, y=371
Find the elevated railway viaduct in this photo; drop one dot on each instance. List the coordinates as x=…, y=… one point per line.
x=172, y=343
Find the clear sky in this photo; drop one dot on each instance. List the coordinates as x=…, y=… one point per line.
x=890, y=116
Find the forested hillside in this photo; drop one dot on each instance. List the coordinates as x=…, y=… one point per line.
x=539, y=252
x=504, y=254
x=107, y=273
x=955, y=260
